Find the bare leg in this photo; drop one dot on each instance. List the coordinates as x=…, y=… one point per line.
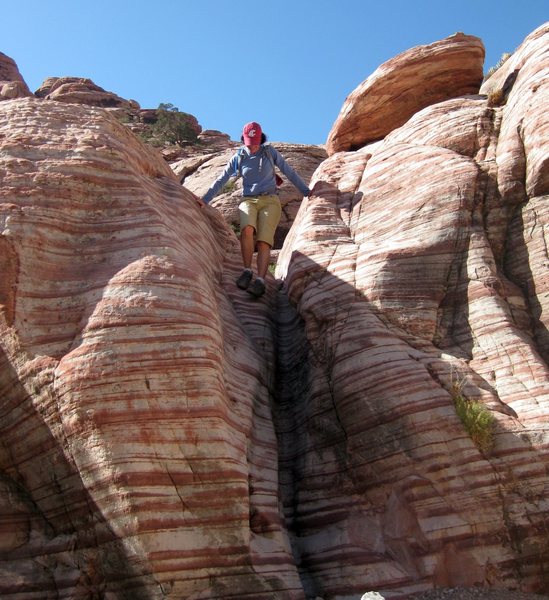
x=263, y=257
x=247, y=245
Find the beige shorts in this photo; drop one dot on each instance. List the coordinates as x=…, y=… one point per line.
x=263, y=214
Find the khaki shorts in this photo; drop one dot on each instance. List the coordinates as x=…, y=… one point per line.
x=263, y=214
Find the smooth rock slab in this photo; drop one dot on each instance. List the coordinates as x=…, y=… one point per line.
x=405, y=84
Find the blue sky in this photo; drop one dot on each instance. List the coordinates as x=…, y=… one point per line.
x=288, y=64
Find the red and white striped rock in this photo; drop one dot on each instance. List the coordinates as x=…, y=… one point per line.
x=163, y=435
x=138, y=448
x=523, y=80
x=420, y=266
x=405, y=84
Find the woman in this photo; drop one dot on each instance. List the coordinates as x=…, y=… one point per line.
x=260, y=208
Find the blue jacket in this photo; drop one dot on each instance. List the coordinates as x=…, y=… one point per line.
x=258, y=173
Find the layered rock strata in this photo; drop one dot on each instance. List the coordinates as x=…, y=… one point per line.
x=404, y=85
x=166, y=436
x=80, y=90
x=138, y=451
x=416, y=274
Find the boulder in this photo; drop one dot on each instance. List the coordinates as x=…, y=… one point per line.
x=12, y=84
x=79, y=90
x=215, y=140
x=405, y=84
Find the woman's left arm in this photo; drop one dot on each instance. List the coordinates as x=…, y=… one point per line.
x=289, y=172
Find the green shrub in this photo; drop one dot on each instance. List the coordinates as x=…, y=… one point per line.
x=478, y=421
x=171, y=127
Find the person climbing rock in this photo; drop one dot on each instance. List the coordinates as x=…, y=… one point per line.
x=260, y=207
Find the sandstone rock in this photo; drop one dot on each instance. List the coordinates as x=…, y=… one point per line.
x=535, y=45
x=418, y=270
x=216, y=140
x=187, y=166
x=171, y=153
x=138, y=455
x=529, y=66
x=163, y=435
x=198, y=176
x=79, y=90
x=402, y=86
x=12, y=84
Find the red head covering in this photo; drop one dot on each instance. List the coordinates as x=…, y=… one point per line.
x=252, y=134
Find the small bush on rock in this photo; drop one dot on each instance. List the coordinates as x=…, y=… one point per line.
x=476, y=418
x=171, y=127
x=496, y=98
x=504, y=57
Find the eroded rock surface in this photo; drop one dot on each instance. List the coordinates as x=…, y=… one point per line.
x=12, y=84
x=418, y=272
x=402, y=86
x=80, y=90
x=138, y=451
x=163, y=435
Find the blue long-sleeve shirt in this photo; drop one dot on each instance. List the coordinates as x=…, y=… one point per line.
x=258, y=173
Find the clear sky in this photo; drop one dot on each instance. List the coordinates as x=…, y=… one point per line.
x=288, y=64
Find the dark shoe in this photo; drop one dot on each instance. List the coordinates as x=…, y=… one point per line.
x=257, y=288
x=244, y=280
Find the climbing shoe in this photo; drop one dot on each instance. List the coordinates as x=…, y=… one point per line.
x=257, y=288
x=244, y=280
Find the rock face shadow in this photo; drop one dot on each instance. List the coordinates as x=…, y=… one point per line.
x=54, y=536
x=368, y=431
